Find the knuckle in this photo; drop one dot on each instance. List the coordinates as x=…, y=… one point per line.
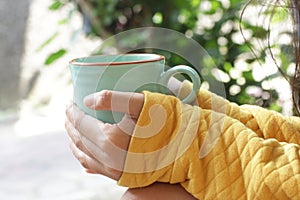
x=105, y=99
x=106, y=94
x=77, y=143
x=77, y=123
x=83, y=161
x=75, y=117
x=78, y=120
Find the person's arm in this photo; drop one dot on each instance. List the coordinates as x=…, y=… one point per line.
x=260, y=120
x=211, y=154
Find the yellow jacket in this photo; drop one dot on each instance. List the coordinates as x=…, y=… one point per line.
x=215, y=150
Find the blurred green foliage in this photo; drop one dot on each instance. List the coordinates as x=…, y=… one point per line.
x=215, y=24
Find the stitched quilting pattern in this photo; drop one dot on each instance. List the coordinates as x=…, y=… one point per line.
x=251, y=153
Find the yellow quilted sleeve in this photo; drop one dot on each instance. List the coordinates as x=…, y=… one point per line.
x=212, y=155
x=265, y=123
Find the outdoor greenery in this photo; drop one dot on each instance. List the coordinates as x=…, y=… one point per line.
x=215, y=24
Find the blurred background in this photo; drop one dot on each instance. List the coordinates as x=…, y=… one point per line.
x=39, y=37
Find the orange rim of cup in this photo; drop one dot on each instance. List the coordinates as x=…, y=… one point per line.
x=155, y=57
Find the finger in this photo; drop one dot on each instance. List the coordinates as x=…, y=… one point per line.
x=89, y=128
x=174, y=85
x=105, y=137
x=126, y=102
x=126, y=126
x=105, y=142
x=75, y=137
x=92, y=165
x=99, y=148
x=82, y=122
x=96, y=130
x=108, y=153
x=90, y=171
x=86, y=126
x=74, y=114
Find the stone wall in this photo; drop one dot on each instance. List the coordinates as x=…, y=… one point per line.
x=13, y=17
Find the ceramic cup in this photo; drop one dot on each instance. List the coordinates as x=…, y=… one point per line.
x=124, y=72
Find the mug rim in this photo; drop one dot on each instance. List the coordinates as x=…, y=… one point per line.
x=155, y=57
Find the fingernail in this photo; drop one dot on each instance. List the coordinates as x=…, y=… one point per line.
x=89, y=101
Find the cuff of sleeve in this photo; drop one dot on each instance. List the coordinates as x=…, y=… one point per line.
x=146, y=159
x=159, y=139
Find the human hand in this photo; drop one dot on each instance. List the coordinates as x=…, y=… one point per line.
x=100, y=147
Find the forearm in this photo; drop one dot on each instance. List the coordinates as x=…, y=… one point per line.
x=260, y=120
x=221, y=157
x=242, y=165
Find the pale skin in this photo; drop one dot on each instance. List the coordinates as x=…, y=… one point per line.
x=92, y=141
x=83, y=130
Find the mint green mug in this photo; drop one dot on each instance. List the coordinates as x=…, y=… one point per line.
x=127, y=73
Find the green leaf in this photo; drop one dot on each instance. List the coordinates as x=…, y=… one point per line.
x=280, y=15
x=248, y=75
x=227, y=66
x=275, y=107
x=48, y=41
x=63, y=21
x=157, y=18
x=54, y=56
x=56, y=5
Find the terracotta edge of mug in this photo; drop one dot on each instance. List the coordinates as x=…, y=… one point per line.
x=75, y=62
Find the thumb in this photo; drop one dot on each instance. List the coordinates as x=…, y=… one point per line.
x=126, y=102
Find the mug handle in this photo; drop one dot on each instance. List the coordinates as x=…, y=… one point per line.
x=183, y=69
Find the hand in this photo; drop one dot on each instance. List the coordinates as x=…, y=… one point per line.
x=100, y=147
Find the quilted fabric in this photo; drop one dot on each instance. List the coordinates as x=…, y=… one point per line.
x=215, y=149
